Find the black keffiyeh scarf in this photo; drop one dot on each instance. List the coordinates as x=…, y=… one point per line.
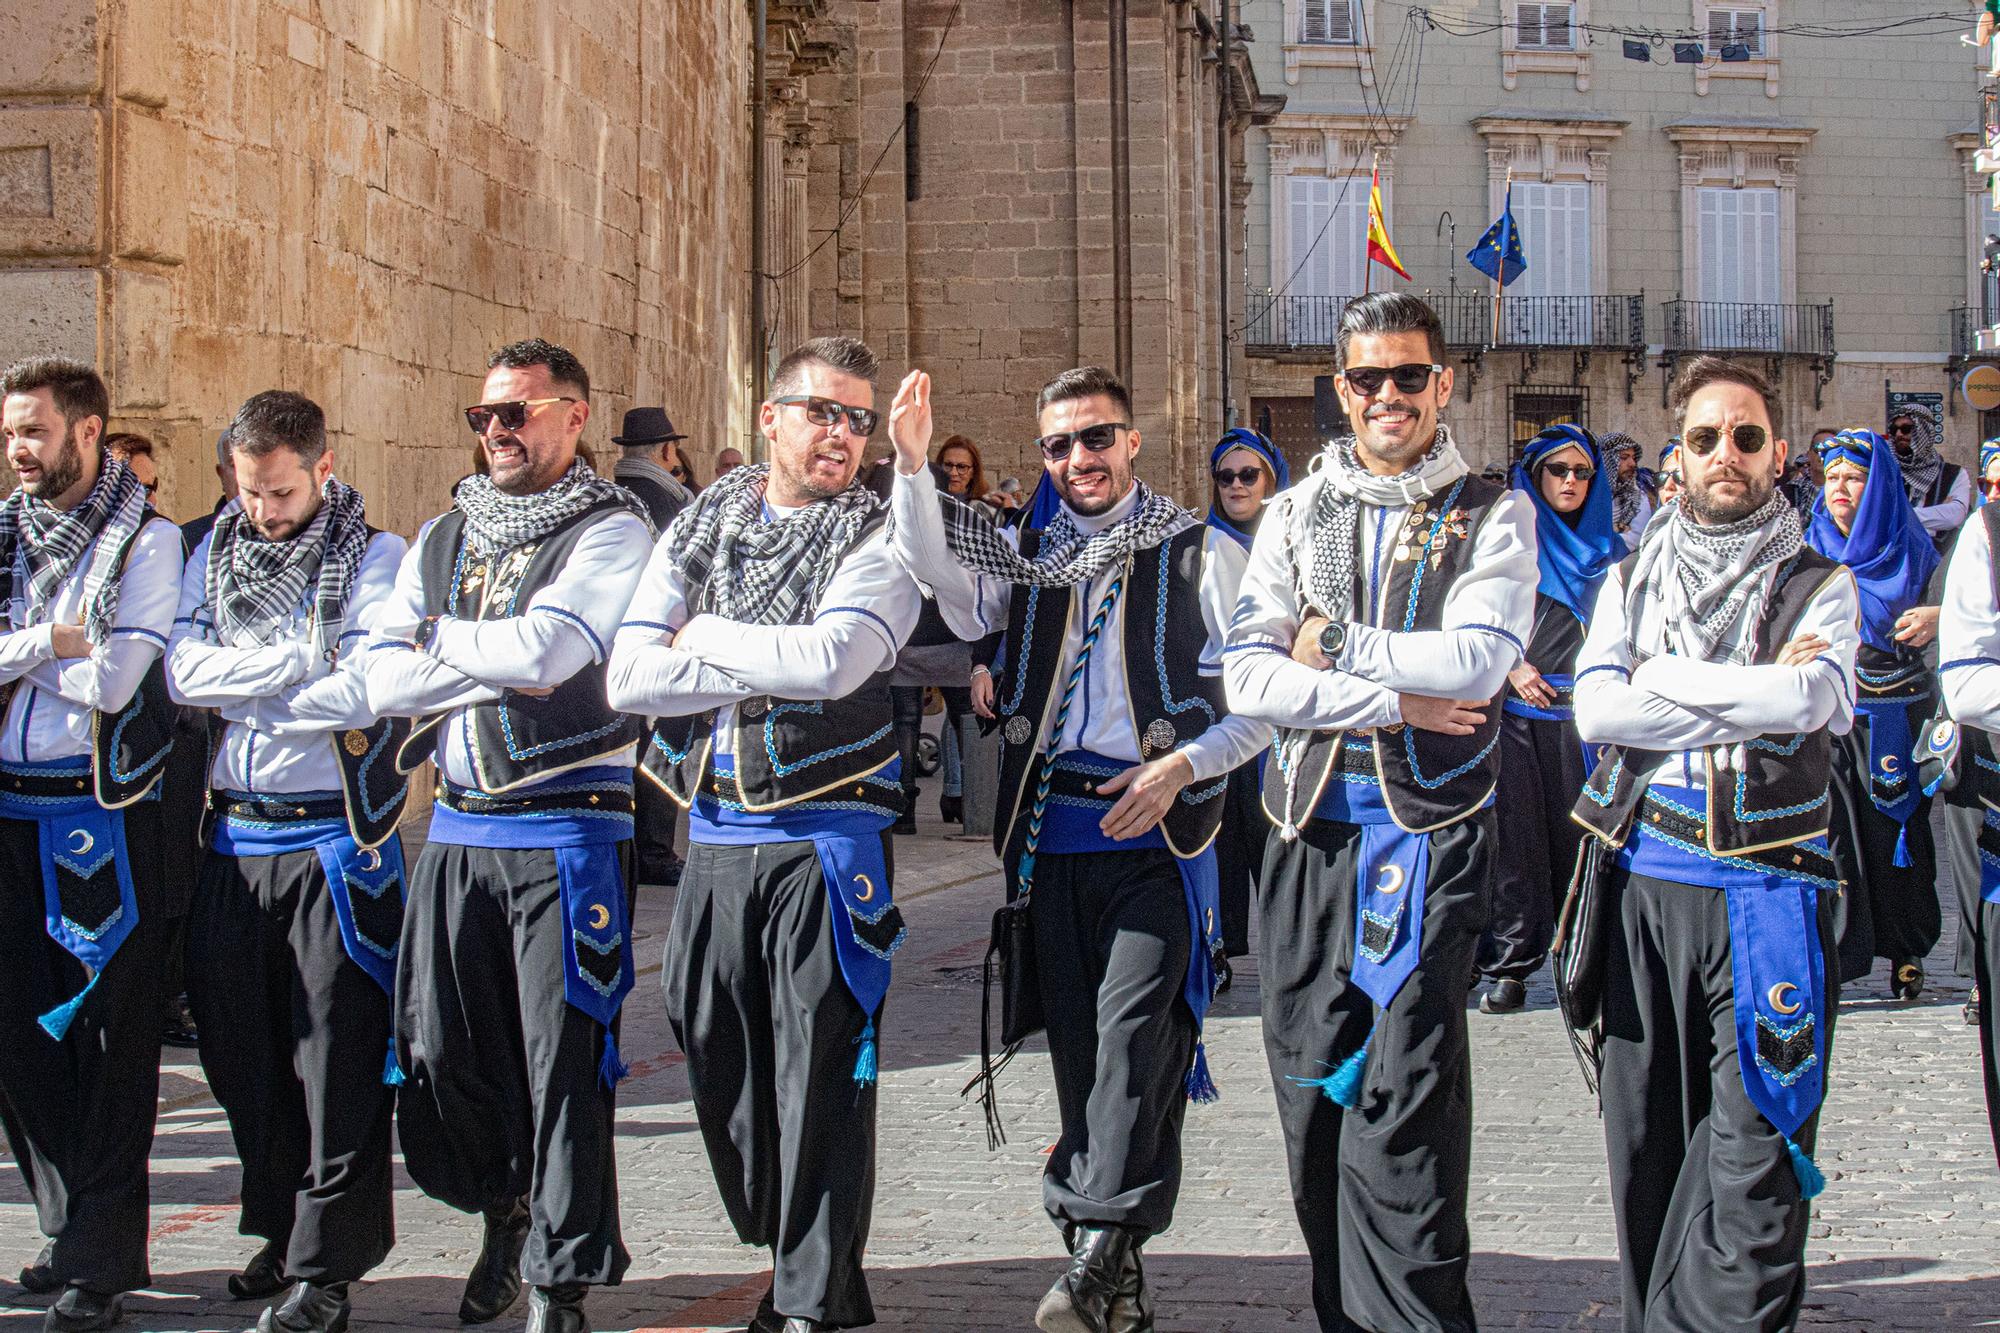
x=1920, y=473
x=253, y=586
x=1068, y=557
x=47, y=544
x=736, y=564
x=496, y=521
x=1335, y=522
x=1624, y=490
x=1700, y=591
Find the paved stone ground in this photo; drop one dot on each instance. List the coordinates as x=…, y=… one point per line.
x=1907, y=1236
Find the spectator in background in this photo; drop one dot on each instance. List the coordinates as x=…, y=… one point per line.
x=1631, y=507
x=195, y=530
x=646, y=466
x=1941, y=491
x=728, y=457
x=1989, y=472
x=1667, y=478
x=137, y=451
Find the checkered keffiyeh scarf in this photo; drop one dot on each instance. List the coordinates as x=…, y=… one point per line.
x=47, y=544
x=1700, y=591
x=253, y=586
x=1921, y=472
x=1068, y=557
x=1625, y=493
x=1334, y=526
x=496, y=521
x=737, y=564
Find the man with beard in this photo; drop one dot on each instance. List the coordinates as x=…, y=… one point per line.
x=1631, y=504
x=88, y=579
x=1116, y=749
x=1388, y=596
x=1718, y=663
x=300, y=901
x=517, y=948
x=761, y=636
x=1941, y=491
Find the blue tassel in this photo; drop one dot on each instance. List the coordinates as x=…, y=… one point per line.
x=392, y=1073
x=1903, y=846
x=864, y=1063
x=610, y=1068
x=1343, y=1086
x=1200, y=1086
x=57, y=1020
x=1811, y=1181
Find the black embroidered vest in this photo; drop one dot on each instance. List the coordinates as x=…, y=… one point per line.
x=1157, y=628
x=1429, y=780
x=128, y=749
x=1781, y=796
x=517, y=738
x=787, y=750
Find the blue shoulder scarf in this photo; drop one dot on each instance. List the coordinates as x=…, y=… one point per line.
x=1987, y=453
x=1574, y=558
x=1243, y=438
x=1887, y=548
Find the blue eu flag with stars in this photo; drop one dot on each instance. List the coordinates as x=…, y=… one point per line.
x=1498, y=254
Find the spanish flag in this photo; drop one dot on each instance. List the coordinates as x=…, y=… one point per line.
x=1381, y=249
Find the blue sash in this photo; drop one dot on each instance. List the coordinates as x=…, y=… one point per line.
x=87, y=891
x=1989, y=863
x=1392, y=871
x=1562, y=712
x=1892, y=784
x=1779, y=974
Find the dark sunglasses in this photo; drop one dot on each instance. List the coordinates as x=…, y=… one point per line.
x=1366, y=380
x=1563, y=471
x=825, y=412
x=511, y=416
x=1094, y=438
x=1242, y=477
x=1704, y=440
x=1907, y=428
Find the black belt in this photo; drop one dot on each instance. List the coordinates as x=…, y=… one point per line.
x=45, y=784
x=1789, y=860
x=575, y=801
x=278, y=809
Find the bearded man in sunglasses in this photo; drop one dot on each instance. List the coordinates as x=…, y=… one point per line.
x=516, y=950
x=1718, y=664
x=1388, y=596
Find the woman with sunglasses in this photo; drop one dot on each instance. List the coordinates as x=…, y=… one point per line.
x=1667, y=477
x=1881, y=829
x=1542, y=764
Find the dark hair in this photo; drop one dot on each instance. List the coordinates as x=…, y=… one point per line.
x=76, y=388
x=849, y=356
x=1085, y=382
x=1703, y=371
x=279, y=419
x=693, y=482
x=129, y=443
x=976, y=486
x=564, y=369
x=1383, y=313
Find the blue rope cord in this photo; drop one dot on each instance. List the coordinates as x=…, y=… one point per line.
x=1042, y=784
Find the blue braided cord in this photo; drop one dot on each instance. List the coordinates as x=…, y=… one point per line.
x=1758, y=816
x=1759, y=743
x=781, y=769
x=1191, y=796
x=1417, y=576
x=1090, y=637
x=561, y=743
x=131, y=715
x=1610, y=785
x=1020, y=654
x=381, y=747
x=1432, y=784
x=1160, y=648
x=673, y=756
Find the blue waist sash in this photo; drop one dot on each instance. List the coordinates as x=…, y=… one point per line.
x=1564, y=709
x=1989, y=861
x=1892, y=786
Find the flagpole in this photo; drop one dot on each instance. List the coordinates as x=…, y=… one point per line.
x=1506, y=244
x=1368, y=259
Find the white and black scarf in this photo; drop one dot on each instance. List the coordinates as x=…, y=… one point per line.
x=740, y=564
x=496, y=521
x=47, y=544
x=1920, y=473
x=252, y=586
x=1700, y=591
x=1068, y=557
x=1334, y=526
x=1625, y=493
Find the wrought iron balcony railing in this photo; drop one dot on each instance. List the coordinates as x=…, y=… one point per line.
x=1579, y=323
x=1748, y=326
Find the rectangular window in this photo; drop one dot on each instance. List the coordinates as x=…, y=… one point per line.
x=1536, y=407
x=1736, y=27
x=1328, y=226
x=1544, y=27
x=1738, y=254
x=1329, y=23
x=1547, y=303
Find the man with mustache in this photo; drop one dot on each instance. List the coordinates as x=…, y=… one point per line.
x=1941, y=491
x=1116, y=748
x=516, y=951
x=88, y=580
x=1718, y=664
x=1388, y=596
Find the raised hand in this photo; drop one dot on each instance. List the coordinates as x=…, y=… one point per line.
x=910, y=423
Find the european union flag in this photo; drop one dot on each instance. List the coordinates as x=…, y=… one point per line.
x=1498, y=253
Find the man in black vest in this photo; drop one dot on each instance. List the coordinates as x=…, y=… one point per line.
x=88, y=580
x=762, y=636
x=1116, y=748
x=517, y=950
x=1941, y=491
x=1388, y=596
x=1719, y=659
x=292, y=943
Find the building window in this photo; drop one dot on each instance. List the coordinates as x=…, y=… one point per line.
x=1560, y=167
x=1330, y=34
x=1738, y=43
x=1544, y=38
x=1329, y=23
x=1541, y=27
x=1737, y=246
x=1739, y=226
x=1554, y=218
x=1533, y=408
x=1327, y=232
x=1982, y=219
x=1736, y=27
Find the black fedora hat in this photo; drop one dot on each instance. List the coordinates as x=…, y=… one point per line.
x=647, y=425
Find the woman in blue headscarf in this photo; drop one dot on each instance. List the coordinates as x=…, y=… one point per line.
x=1244, y=471
x=1881, y=829
x=1565, y=474
x=1989, y=472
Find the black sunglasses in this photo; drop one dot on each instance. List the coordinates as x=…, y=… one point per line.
x=825, y=412
x=1094, y=438
x=1366, y=380
x=1907, y=428
x=1241, y=477
x=1581, y=471
x=1704, y=440
x=511, y=415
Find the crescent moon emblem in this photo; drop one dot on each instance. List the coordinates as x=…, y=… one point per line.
x=371, y=859
x=1889, y=764
x=867, y=888
x=1777, y=998
x=600, y=916
x=1392, y=880
x=88, y=841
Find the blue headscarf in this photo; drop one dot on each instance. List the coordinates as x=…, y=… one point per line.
x=1987, y=453
x=1886, y=546
x=1243, y=438
x=1667, y=452
x=1044, y=504
x=1573, y=559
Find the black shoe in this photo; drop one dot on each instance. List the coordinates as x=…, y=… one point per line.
x=179, y=1029
x=263, y=1277
x=495, y=1280
x=1973, y=1013
x=80, y=1311
x=1081, y=1299
x=558, y=1309
x=40, y=1277
x=1505, y=996
x=1907, y=980
x=767, y=1319
x=951, y=809
x=798, y=1323
x=311, y=1308
x=1132, y=1307
x=906, y=822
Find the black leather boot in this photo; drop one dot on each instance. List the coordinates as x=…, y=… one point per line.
x=263, y=1277
x=558, y=1309
x=40, y=1277
x=80, y=1311
x=495, y=1280
x=1132, y=1307
x=311, y=1308
x=1080, y=1301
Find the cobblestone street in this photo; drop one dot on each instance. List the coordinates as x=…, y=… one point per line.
x=1904, y=1238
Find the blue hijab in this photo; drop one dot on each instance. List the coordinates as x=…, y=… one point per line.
x=1243, y=438
x=1573, y=558
x=1043, y=505
x=1887, y=548
x=1987, y=453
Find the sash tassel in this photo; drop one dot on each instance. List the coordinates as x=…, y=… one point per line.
x=57, y=1020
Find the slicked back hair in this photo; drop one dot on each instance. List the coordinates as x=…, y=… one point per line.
x=1703, y=371
x=77, y=389
x=1085, y=382
x=849, y=356
x=1383, y=313
x=564, y=369
x=279, y=419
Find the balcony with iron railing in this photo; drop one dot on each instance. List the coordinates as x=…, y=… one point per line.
x=1292, y=324
x=1749, y=326
x=1970, y=338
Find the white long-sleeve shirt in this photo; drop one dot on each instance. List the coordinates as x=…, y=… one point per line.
x=566, y=625
x=1948, y=514
x=1969, y=634
x=50, y=716
x=668, y=662
x=1101, y=721
x=282, y=699
x=1680, y=705
x=1487, y=618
